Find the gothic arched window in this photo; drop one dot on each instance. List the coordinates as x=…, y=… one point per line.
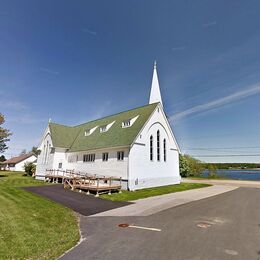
x=151, y=148
x=164, y=150
x=158, y=146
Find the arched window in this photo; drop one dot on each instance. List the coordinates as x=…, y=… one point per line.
x=151, y=148
x=46, y=152
x=43, y=154
x=158, y=146
x=164, y=150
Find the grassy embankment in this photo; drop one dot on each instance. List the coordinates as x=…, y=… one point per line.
x=145, y=193
x=32, y=227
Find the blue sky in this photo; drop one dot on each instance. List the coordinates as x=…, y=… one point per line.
x=73, y=61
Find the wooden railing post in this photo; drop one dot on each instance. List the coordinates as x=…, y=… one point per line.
x=97, y=194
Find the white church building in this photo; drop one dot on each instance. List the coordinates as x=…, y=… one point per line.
x=137, y=145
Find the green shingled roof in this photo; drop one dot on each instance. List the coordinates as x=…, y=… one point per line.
x=74, y=139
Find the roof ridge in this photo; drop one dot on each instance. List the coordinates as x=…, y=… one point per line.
x=60, y=124
x=115, y=114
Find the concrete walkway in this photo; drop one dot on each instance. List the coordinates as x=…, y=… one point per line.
x=152, y=205
x=236, y=183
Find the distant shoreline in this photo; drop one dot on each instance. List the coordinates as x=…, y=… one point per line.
x=240, y=169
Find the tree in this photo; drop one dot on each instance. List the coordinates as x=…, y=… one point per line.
x=190, y=166
x=30, y=168
x=4, y=134
x=184, y=166
x=196, y=167
x=212, y=171
x=23, y=152
x=35, y=151
x=2, y=158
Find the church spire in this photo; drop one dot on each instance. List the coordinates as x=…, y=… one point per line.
x=155, y=95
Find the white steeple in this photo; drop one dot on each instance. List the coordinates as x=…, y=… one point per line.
x=155, y=95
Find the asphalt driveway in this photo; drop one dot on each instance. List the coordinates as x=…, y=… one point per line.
x=226, y=226
x=84, y=204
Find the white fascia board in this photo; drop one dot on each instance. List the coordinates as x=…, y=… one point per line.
x=167, y=122
x=46, y=132
x=169, y=126
x=143, y=126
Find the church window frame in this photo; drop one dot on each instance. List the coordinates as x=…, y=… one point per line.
x=158, y=146
x=120, y=155
x=164, y=150
x=151, y=148
x=89, y=157
x=105, y=157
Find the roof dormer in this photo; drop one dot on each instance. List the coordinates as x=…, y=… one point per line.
x=90, y=131
x=105, y=128
x=129, y=122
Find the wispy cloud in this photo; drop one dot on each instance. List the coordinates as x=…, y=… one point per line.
x=105, y=110
x=25, y=119
x=85, y=30
x=209, y=24
x=12, y=105
x=215, y=104
x=178, y=48
x=49, y=71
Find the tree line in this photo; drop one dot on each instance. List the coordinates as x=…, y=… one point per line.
x=192, y=167
x=225, y=166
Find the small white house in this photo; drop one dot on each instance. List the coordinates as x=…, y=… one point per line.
x=137, y=145
x=17, y=163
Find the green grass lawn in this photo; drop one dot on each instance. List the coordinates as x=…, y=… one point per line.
x=32, y=227
x=145, y=193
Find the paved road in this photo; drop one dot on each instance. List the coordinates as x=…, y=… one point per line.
x=236, y=183
x=79, y=202
x=230, y=229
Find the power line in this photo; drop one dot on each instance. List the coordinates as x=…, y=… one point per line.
x=256, y=130
x=228, y=155
x=220, y=148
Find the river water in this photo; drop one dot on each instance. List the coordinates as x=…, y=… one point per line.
x=253, y=175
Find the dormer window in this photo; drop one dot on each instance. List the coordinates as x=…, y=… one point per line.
x=103, y=129
x=90, y=131
x=129, y=122
x=87, y=132
x=126, y=123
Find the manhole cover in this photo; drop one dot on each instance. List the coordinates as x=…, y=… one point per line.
x=124, y=225
x=203, y=225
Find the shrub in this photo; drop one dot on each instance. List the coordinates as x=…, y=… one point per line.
x=29, y=168
x=190, y=166
x=184, y=166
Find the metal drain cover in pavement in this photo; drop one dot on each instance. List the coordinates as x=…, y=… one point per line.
x=203, y=225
